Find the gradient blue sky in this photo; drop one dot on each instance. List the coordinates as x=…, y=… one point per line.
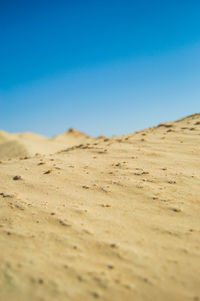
x=102, y=67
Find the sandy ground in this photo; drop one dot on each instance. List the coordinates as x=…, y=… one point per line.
x=101, y=219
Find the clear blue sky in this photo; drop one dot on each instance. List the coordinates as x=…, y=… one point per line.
x=100, y=66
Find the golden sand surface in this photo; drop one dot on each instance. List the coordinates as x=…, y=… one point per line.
x=101, y=219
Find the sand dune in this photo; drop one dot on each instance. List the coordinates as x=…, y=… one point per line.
x=29, y=144
x=72, y=137
x=102, y=219
x=4, y=137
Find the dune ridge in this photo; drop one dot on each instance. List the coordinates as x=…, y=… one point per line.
x=28, y=144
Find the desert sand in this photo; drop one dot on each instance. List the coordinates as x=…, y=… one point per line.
x=101, y=219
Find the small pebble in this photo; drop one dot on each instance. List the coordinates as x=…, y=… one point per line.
x=47, y=172
x=111, y=267
x=15, y=178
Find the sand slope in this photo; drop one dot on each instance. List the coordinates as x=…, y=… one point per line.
x=112, y=219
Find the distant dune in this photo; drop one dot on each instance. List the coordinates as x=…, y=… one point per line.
x=28, y=144
x=86, y=218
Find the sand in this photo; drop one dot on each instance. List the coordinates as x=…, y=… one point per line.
x=101, y=219
x=29, y=144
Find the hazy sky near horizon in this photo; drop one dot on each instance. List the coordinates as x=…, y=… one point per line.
x=102, y=67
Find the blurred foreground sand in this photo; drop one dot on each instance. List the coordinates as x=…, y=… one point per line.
x=101, y=219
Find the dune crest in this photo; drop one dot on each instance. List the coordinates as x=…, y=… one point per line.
x=76, y=133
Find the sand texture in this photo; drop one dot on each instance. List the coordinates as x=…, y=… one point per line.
x=101, y=219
